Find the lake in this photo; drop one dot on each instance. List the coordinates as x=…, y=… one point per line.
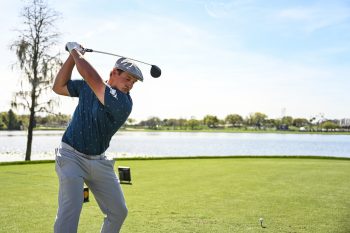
x=170, y=144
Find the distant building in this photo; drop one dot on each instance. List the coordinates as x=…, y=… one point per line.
x=344, y=122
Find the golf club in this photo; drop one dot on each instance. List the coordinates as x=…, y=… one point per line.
x=155, y=70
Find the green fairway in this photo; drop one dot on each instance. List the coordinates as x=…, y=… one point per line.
x=196, y=195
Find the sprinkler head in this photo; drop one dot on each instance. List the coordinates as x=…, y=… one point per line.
x=261, y=220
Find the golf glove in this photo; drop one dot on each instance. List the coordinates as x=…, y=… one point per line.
x=74, y=45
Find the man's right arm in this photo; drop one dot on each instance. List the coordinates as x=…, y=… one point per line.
x=63, y=76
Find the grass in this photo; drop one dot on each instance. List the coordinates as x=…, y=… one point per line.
x=196, y=195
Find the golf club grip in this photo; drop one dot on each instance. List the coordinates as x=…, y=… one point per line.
x=85, y=50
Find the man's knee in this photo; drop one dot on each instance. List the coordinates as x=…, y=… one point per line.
x=118, y=214
x=122, y=212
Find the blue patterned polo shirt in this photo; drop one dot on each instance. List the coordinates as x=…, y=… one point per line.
x=93, y=124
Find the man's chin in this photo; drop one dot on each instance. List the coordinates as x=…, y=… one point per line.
x=125, y=91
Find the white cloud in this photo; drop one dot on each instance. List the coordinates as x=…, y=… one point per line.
x=312, y=18
x=227, y=9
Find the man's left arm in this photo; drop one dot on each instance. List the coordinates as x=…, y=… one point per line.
x=63, y=76
x=87, y=71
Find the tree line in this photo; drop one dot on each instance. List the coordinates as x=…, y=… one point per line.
x=255, y=121
x=11, y=121
x=258, y=121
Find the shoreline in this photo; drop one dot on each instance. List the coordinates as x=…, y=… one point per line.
x=203, y=131
x=20, y=162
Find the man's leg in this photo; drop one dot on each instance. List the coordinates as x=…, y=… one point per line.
x=70, y=197
x=108, y=194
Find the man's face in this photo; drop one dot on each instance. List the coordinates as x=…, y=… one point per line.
x=123, y=81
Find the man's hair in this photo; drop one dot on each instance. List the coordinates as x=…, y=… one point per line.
x=120, y=71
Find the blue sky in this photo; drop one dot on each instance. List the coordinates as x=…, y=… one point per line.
x=217, y=57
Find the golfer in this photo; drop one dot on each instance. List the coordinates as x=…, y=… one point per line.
x=102, y=109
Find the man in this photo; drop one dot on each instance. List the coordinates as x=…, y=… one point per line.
x=102, y=110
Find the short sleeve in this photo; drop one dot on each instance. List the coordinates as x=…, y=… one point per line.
x=74, y=87
x=117, y=103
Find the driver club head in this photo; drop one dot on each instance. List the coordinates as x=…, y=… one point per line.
x=155, y=71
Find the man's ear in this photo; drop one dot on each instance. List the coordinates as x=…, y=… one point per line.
x=112, y=72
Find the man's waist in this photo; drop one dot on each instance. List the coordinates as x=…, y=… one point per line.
x=66, y=146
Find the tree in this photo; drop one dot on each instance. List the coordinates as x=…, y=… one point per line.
x=233, y=119
x=181, y=123
x=257, y=119
x=329, y=125
x=39, y=67
x=174, y=123
x=271, y=123
x=210, y=121
x=170, y=123
x=13, y=123
x=299, y=122
x=152, y=123
x=131, y=121
x=2, y=124
x=4, y=120
x=287, y=120
x=193, y=124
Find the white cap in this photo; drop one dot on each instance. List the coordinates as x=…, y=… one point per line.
x=127, y=65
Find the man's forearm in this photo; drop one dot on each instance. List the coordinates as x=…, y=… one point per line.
x=63, y=76
x=90, y=75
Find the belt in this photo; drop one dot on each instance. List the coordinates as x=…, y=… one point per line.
x=90, y=157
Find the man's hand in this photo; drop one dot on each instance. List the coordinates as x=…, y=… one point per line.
x=74, y=45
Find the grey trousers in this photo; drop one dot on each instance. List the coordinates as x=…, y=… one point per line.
x=73, y=169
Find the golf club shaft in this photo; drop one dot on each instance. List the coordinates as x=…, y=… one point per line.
x=112, y=54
